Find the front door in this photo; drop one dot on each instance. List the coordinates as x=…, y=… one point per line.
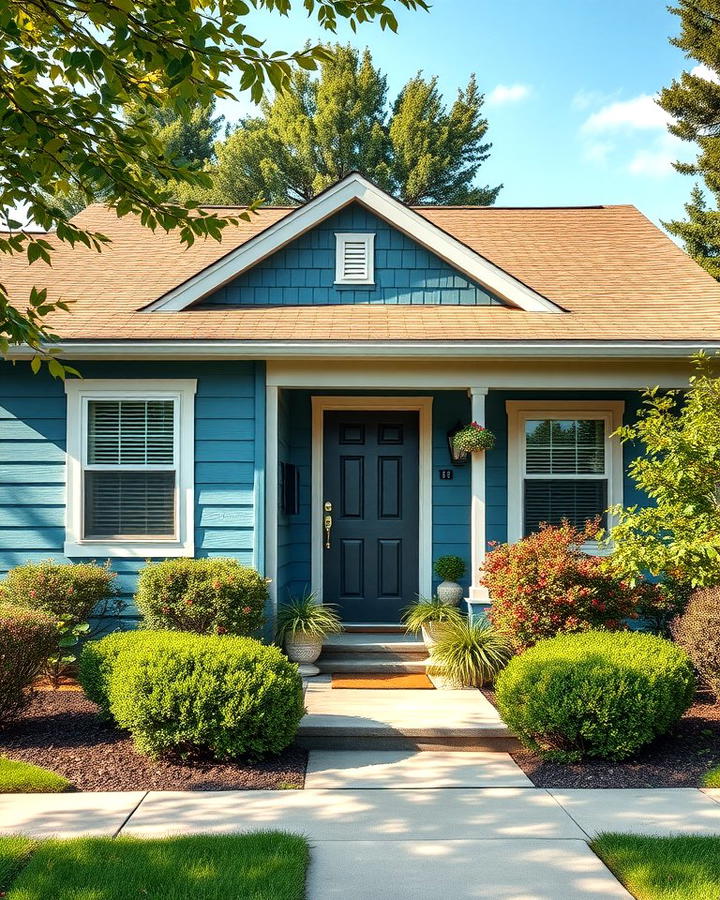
x=371, y=470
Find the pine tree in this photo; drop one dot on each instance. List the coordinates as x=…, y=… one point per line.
x=319, y=130
x=693, y=101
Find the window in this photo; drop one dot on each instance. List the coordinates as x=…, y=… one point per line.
x=354, y=262
x=562, y=463
x=130, y=468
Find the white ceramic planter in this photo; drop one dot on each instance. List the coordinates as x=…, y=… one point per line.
x=431, y=633
x=304, y=649
x=449, y=592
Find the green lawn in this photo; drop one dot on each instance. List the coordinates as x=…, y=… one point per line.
x=23, y=778
x=257, y=866
x=712, y=778
x=663, y=868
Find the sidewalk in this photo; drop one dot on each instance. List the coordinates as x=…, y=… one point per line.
x=402, y=825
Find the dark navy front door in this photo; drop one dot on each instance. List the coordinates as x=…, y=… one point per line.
x=371, y=481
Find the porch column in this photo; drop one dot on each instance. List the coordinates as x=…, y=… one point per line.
x=271, y=495
x=478, y=593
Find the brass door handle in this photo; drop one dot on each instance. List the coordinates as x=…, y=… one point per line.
x=327, y=523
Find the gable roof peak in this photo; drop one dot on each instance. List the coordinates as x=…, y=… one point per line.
x=355, y=187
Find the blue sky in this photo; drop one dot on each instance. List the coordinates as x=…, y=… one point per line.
x=569, y=87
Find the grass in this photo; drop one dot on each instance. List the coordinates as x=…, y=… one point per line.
x=663, y=868
x=712, y=778
x=258, y=866
x=14, y=854
x=23, y=778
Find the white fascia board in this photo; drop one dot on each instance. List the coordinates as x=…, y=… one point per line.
x=229, y=349
x=354, y=188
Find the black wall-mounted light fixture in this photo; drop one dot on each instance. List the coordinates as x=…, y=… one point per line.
x=458, y=458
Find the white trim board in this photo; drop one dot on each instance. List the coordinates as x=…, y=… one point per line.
x=421, y=405
x=354, y=188
x=182, y=391
x=610, y=411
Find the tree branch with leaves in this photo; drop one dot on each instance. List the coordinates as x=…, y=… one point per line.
x=69, y=71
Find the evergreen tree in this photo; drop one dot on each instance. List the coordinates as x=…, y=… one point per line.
x=320, y=129
x=694, y=102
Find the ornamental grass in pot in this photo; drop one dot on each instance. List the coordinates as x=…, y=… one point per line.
x=302, y=626
x=469, y=654
x=431, y=617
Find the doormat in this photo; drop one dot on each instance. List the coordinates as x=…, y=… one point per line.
x=383, y=682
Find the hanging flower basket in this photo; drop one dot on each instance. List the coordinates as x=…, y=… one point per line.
x=473, y=438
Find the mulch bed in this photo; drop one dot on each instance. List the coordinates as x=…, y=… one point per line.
x=62, y=732
x=679, y=759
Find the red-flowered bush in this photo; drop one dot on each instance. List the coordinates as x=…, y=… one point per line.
x=27, y=637
x=546, y=585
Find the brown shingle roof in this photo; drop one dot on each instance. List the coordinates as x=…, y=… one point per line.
x=616, y=274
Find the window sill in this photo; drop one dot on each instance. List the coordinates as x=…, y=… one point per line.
x=128, y=549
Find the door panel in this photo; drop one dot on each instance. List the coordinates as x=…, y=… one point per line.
x=371, y=472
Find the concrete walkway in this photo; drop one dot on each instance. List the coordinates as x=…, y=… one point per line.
x=402, y=825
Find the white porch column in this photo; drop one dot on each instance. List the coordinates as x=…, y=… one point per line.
x=271, y=494
x=478, y=593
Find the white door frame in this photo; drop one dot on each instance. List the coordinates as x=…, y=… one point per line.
x=421, y=405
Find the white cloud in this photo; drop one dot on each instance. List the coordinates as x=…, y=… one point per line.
x=657, y=161
x=640, y=112
x=598, y=151
x=508, y=93
x=584, y=99
x=702, y=71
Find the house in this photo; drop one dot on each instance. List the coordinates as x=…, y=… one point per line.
x=287, y=396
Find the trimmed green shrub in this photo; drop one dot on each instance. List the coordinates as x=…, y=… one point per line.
x=205, y=596
x=27, y=638
x=67, y=591
x=449, y=567
x=697, y=631
x=229, y=697
x=595, y=694
x=98, y=658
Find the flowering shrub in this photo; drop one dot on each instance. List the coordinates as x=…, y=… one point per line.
x=207, y=596
x=64, y=590
x=27, y=638
x=473, y=438
x=546, y=585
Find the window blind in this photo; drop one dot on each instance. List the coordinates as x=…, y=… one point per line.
x=130, y=479
x=131, y=432
x=572, y=450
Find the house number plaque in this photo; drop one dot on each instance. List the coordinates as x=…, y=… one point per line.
x=446, y=474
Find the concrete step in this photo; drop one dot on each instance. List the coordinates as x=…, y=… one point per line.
x=397, y=645
x=371, y=663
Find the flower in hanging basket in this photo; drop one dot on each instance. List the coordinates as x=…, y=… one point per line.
x=473, y=438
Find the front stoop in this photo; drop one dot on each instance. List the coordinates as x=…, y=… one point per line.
x=400, y=720
x=363, y=653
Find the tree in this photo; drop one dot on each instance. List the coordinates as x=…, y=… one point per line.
x=69, y=68
x=320, y=129
x=678, y=467
x=700, y=232
x=693, y=101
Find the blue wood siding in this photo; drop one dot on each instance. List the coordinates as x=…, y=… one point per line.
x=303, y=272
x=229, y=450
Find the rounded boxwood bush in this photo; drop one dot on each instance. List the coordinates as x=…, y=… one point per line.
x=229, y=697
x=206, y=596
x=27, y=638
x=596, y=694
x=98, y=658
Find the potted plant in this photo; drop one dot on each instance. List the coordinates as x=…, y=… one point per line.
x=430, y=617
x=468, y=654
x=302, y=626
x=450, y=568
x=473, y=438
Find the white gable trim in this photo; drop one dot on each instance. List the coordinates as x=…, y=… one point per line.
x=355, y=188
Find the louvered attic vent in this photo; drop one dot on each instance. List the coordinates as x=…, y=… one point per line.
x=355, y=262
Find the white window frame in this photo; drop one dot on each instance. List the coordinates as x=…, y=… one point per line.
x=368, y=239
x=520, y=411
x=79, y=393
